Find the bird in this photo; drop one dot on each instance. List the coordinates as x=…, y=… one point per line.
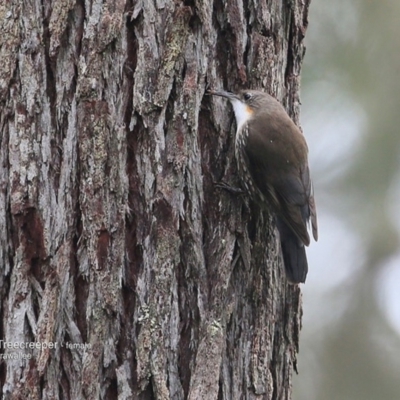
x=272, y=161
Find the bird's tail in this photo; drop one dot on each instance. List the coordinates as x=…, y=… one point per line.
x=294, y=254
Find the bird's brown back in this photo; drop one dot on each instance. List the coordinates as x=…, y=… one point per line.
x=277, y=157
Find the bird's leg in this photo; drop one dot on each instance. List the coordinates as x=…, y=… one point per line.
x=229, y=188
x=236, y=191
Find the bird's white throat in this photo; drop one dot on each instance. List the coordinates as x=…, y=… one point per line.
x=242, y=113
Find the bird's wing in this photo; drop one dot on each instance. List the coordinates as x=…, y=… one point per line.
x=286, y=185
x=294, y=192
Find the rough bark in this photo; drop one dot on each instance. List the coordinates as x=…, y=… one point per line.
x=113, y=234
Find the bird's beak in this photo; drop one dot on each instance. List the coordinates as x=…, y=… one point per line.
x=222, y=93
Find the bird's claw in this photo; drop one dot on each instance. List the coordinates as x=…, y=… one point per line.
x=229, y=188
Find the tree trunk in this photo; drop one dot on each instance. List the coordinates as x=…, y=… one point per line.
x=117, y=248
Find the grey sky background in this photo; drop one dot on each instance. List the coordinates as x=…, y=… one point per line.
x=350, y=343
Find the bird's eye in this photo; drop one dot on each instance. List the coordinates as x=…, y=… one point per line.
x=247, y=96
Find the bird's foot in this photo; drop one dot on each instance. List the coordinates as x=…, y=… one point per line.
x=229, y=188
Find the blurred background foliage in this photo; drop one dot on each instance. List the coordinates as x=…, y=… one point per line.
x=350, y=343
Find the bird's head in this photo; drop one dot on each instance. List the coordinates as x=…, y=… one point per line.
x=245, y=104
